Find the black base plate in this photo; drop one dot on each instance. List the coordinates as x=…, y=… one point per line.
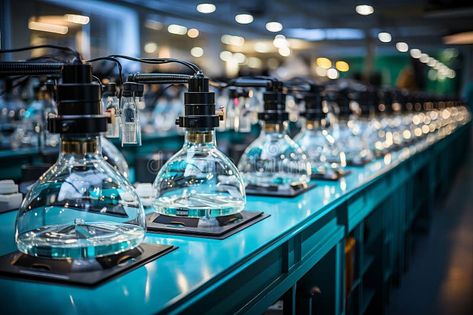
x=356, y=164
x=274, y=191
x=336, y=176
x=228, y=225
x=89, y=273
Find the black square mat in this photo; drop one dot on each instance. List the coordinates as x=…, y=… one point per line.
x=227, y=225
x=335, y=177
x=89, y=273
x=358, y=164
x=275, y=191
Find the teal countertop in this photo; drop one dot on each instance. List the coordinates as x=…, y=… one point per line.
x=198, y=263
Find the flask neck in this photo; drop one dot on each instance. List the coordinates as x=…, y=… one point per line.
x=312, y=124
x=274, y=128
x=80, y=146
x=200, y=137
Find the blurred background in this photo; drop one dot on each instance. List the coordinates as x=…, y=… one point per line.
x=413, y=44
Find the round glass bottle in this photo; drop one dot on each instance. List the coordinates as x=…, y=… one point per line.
x=326, y=158
x=199, y=181
x=81, y=208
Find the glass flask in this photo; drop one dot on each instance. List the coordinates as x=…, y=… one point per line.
x=114, y=157
x=347, y=131
x=274, y=159
x=199, y=181
x=326, y=158
x=80, y=208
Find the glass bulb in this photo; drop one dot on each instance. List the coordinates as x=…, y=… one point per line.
x=199, y=181
x=112, y=155
x=274, y=159
x=80, y=208
x=326, y=158
x=348, y=134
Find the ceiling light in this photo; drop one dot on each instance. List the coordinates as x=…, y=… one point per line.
x=284, y=51
x=364, y=9
x=226, y=55
x=384, y=37
x=197, y=52
x=402, y=46
x=77, y=19
x=432, y=62
x=254, y=62
x=153, y=24
x=323, y=62
x=342, y=66
x=321, y=72
x=206, y=8
x=332, y=73
x=151, y=47
x=416, y=53
x=424, y=58
x=177, y=29
x=244, y=18
x=451, y=74
x=274, y=27
x=48, y=27
x=280, y=41
x=232, y=40
x=239, y=57
x=193, y=33
x=263, y=47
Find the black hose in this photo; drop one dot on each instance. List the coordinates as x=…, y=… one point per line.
x=159, y=78
x=9, y=68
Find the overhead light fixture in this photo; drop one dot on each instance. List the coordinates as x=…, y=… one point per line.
x=274, y=27
x=226, y=55
x=254, y=62
x=318, y=34
x=177, y=29
x=239, y=57
x=244, y=18
x=384, y=37
x=48, y=27
x=193, y=33
x=284, y=51
x=424, y=58
x=402, y=46
x=321, y=72
x=364, y=9
x=432, y=62
x=280, y=41
x=206, y=8
x=323, y=62
x=153, y=25
x=232, y=40
x=332, y=73
x=197, y=52
x=151, y=47
x=77, y=19
x=416, y=53
x=263, y=47
x=342, y=66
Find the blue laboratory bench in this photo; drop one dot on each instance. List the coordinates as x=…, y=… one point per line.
x=296, y=255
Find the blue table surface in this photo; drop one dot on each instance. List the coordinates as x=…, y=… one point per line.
x=196, y=262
